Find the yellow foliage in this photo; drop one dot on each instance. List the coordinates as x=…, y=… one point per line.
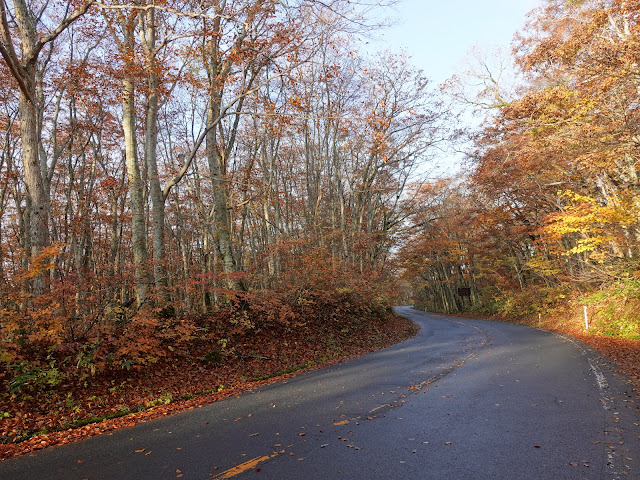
x=595, y=226
x=543, y=266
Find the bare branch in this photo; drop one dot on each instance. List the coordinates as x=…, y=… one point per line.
x=144, y=8
x=62, y=27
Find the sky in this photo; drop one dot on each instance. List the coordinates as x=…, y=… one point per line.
x=438, y=34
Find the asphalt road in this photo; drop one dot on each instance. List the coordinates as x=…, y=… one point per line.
x=464, y=399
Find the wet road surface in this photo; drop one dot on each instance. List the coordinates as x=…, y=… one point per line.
x=464, y=399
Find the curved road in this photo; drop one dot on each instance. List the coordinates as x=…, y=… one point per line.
x=464, y=399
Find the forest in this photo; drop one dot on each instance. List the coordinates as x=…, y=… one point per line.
x=544, y=222
x=235, y=189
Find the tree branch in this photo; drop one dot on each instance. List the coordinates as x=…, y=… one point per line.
x=164, y=9
x=62, y=27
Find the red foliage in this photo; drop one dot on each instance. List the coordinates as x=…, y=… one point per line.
x=205, y=358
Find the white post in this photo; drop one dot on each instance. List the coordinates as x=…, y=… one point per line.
x=586, y=318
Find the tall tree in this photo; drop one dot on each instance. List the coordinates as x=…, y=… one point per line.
x=24, y=68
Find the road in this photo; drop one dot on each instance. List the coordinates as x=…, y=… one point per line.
x=464, y=399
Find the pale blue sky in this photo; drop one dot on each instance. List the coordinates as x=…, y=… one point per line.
x=438, y=34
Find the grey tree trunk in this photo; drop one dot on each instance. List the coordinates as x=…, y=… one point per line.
x=136, y=197
x=39, y=234
x=221, y=217
x=148, y=34
x=30, y=137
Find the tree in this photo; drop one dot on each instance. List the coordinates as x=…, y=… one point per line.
x=28, y=73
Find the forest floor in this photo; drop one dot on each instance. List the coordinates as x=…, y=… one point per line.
x=35, y=419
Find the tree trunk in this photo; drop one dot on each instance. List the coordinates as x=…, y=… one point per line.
x=30, y=136
x=150, y=152
x=221, y=217
x=39, y=234
x=138, y=227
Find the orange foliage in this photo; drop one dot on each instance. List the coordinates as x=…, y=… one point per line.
x=550, y=209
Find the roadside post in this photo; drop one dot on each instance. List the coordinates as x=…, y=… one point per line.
x=586, y=318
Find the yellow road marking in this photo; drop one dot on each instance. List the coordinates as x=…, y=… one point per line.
x=380, y=407
x=243, y=467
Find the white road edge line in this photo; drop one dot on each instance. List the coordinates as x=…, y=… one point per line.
x=603, y=386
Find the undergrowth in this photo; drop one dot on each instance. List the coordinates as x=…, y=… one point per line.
x=56, y=386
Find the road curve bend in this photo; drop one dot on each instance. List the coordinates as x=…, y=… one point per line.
x=463, y=399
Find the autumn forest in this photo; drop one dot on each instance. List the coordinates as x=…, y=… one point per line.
x=239, y=189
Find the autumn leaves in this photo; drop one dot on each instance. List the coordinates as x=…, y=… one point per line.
x=550, y=207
